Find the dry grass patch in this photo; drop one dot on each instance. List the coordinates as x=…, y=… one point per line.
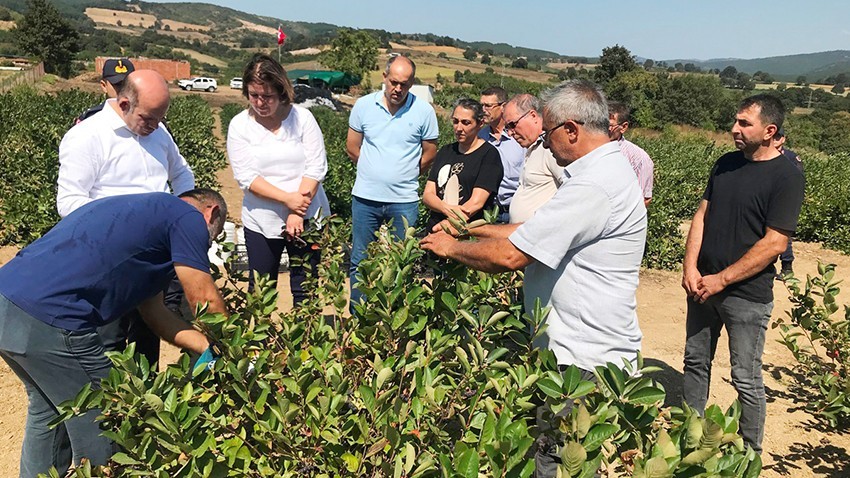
x=201, y=57
x=7, y=25
x=112, y=17
x=175, y=25
x=258, y=28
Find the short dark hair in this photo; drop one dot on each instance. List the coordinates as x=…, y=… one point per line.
x=496, y=91
x=471, y=105
x=621, y=110
x=266, y=70
x=771, y=109
x=208, y=197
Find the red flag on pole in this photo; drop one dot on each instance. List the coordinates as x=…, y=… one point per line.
x=281, y=37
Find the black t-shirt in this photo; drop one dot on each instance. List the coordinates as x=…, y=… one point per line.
x=744, y=198
x=481, y=168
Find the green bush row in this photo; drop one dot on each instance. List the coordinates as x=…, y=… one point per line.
x=432, y=378
x=31, y=128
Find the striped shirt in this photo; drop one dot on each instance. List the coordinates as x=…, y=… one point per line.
x=641, y=163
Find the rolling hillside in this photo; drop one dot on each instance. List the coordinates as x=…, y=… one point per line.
x=787, y=67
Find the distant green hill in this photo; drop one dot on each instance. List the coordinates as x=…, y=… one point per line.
x=504, y=49
x=787, y=67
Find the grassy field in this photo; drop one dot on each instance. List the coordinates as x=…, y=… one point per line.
x=201, y=57
x=112, y=17
x=428, y=65
x=814, y=86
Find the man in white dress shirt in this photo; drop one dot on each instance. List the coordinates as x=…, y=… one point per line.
x=123, y=150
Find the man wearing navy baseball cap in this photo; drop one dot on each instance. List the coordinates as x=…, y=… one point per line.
x=115, y=71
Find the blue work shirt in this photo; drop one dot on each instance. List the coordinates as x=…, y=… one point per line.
x=388, y=167
x=105, y=258
x=513, y=159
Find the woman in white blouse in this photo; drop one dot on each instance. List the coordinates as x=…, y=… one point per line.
x=277, y=153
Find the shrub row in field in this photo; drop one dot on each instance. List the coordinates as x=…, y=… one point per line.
x=31, y=128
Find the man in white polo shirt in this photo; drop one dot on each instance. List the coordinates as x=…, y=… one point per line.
x=123, y=149
x=392, y=138
x=582, y=250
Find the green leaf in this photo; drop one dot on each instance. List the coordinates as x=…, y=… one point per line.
x=573, y=456
x=598, y=434
x=657, y=467
x=123, y=459
x=647, y=396
x=466, y=464
x=549, y=387
x=153, y=401
x=382, y=377
x=583, y=388
x=449, y=300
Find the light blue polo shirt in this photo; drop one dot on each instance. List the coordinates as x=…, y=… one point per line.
x=388, y=168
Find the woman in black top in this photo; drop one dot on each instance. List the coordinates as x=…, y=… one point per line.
x=471, y=166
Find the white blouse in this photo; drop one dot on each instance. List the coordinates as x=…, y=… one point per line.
x=296, y=151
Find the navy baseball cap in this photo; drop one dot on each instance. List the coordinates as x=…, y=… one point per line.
x=115, y=70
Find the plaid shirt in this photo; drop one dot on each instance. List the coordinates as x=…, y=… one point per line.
x=641, y=163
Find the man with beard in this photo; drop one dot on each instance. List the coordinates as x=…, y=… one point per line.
x=747, y=213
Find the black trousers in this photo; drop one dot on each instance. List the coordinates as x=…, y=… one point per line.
x=130, y=328
x=264, y=258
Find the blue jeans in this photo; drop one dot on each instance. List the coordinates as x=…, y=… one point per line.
x=366, y=218
x=746, y=324
x=54, y=364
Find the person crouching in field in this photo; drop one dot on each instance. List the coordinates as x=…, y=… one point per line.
x=104, y=259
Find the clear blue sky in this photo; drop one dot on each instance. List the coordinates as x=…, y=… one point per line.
x=657, y=29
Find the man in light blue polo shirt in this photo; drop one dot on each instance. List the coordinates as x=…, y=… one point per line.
x=581, y=250
x=392, y=138
x=493, y=100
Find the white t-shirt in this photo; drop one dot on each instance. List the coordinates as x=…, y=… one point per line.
x=540, y=178
x=101, y=157
x=296, y=151
x=588, y=242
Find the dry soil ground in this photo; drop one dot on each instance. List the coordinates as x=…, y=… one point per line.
x=795, y=444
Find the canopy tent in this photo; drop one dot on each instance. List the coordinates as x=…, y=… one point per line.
x=329, y=79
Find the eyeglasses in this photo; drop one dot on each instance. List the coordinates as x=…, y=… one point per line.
x=265, y=98
x=511, y=125
x=612, y=126
x=489, y=106
x=546, y=133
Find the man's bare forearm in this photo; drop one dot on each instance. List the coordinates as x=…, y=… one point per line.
x=762, y=254
x=494, y=231
x=487, y=255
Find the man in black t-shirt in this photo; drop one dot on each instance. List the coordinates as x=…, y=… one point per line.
x=748, y=212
